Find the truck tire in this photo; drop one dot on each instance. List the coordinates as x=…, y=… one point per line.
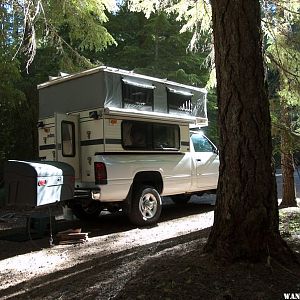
x=145, y=206
x=181, y=199
x=86, y=212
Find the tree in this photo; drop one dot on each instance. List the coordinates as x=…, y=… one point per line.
x=246, y=213
x=154, y=47
x=11, y=96
x=54, y=33
x=73, y=25
x=287, y=160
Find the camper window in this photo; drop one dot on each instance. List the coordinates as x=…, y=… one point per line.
x=166, y=137
x=68, y=138
x=150, y=136
x=137, y=97
x=179, y=102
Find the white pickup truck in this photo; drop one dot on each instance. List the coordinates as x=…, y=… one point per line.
x=128, y=138
x=142, y=178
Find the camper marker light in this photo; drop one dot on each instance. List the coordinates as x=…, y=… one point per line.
x=42, y=182
x=113, y=122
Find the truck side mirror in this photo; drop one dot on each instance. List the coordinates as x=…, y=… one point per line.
x=215, y=150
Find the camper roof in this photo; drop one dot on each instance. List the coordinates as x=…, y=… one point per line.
x=65, y=77
x=105, y=87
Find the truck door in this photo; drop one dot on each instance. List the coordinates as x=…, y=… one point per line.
x=67, y=144
x=206, y=161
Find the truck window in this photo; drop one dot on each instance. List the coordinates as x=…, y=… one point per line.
x=201, y=143
x=137, y=97
x=150, y=136
x=68, y=138
x=179, y=102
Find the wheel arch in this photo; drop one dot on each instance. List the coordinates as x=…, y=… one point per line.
x=151, y=178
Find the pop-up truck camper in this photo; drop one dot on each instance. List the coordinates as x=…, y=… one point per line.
x=129, y=138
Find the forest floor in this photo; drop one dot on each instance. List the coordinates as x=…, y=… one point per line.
x=120, y=261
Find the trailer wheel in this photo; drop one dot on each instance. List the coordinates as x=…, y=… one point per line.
x=86, y=211
x=145, y=206
x=181, y=199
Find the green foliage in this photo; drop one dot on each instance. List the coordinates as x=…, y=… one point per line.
x=54, y=33
x=154, y=47
x=285, y=57
x=281, y=26
x=13, y=110
x=181, y=57
x=82, y=22
x=196, y=15
x=75, y=25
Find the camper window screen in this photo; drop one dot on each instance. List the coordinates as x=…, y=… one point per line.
x=68, y=138
x=137, y=97
x=150, y=136
x=179, y=102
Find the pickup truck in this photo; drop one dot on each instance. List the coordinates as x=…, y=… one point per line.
x=143, y=178
x=130, y=140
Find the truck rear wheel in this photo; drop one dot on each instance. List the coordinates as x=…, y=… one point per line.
x=145, y=206
x=86, y=211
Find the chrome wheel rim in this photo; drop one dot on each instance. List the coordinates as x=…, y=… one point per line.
x=148, y=206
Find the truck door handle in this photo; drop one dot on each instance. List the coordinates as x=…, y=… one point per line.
x=198, y=159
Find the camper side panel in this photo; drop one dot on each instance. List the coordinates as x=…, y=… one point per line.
x=85, y=92
x=46, y=134
x=91, y=141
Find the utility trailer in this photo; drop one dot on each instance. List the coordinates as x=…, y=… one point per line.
x=128, y=138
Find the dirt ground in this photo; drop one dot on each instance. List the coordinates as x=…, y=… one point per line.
x=162, y=262
x=120, y=261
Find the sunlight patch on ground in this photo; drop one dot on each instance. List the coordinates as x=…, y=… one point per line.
x=26, y=262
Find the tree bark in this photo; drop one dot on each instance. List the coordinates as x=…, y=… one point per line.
x=246, y=212
x=287, y=162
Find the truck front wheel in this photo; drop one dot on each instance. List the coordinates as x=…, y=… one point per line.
x=145, y=206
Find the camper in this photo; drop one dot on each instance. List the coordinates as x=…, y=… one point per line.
x=130, y=138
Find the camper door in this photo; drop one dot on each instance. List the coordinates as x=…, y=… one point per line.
x=67, y=144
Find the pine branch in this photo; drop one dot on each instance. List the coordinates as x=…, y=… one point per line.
x=280, y=65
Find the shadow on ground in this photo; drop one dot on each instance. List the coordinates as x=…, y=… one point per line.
x=106, y=224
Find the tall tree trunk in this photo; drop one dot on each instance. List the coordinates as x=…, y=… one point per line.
x=287, y=162
x=246, y=213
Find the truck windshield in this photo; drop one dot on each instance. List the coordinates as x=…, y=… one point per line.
x=201, y=143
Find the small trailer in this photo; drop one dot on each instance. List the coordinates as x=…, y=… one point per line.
x=128, y=138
